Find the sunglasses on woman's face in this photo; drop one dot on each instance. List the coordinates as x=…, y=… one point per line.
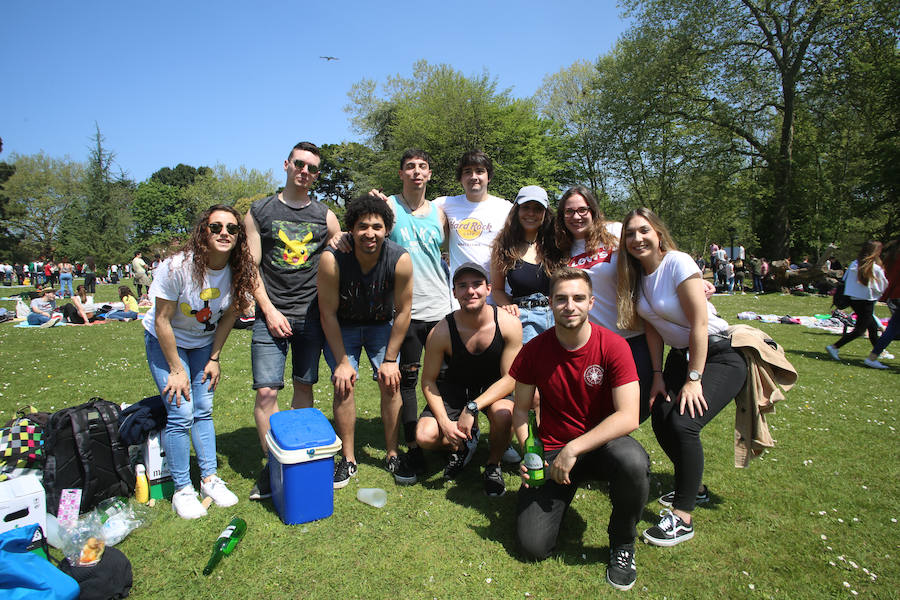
x=231, y=228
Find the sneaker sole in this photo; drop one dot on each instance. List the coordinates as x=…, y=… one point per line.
x=666, y=543
x=668, y=504
x=259, y=496
x=489, y=495
x=401, y=480
x=619, y=586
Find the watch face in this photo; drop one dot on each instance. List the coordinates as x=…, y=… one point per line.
x=694, y=375
x=472, y=407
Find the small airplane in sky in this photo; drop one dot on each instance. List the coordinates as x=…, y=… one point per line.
x=330, y=57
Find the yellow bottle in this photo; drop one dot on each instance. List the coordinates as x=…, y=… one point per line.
x=141, y=485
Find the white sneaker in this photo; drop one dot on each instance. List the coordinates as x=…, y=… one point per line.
x=215, y=489
x=186, y=504
x=886, y=355
x=510, y=456
x=874, y=364
x=832, y=352
x=53, y=321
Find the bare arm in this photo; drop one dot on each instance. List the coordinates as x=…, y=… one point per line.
x=276, y=322
x=692, y=299
x=655, y=346
x=212, y=369
x=623, y=420
x=80, y=307
x=498, y=289
x=328, y=283
x=389, y=372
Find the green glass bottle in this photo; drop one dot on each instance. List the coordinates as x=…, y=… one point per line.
x=534, y=453
x=226, y=542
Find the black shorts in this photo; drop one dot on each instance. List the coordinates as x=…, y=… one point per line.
x=455, y=398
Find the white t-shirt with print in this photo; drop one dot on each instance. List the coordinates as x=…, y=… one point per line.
x=473, y=227
x=659, y=305
x=198, y=309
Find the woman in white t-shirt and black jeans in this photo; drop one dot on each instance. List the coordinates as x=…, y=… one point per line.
x=197, y=293
x=702, y=374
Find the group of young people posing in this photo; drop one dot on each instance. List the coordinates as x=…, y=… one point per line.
x=568, y=314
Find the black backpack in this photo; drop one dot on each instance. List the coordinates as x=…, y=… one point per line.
x=83, y=451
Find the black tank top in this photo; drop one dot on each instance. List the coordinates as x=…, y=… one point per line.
x=526, y=278
x=475, y=372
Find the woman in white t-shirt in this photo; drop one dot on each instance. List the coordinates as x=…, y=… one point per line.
x=197, y=293
x=663, y=287
x=864, y=282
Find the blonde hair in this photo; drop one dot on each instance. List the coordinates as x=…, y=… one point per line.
x=629, y=269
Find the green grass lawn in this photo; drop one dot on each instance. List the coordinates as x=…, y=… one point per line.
x=814, y=518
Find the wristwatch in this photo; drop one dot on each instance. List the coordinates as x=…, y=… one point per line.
x=472, y=408
x=694, y=375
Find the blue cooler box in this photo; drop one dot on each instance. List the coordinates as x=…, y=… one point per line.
x=302, y=445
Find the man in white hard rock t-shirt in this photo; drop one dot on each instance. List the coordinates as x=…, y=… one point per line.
x=475, y=218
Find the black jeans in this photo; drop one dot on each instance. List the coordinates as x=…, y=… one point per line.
x=864, y=309
x=410, y=363
x=622, y=462
x=90, y=283
x=679, y=434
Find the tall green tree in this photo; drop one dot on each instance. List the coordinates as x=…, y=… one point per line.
x=446, y=113
x=39, y=192
x=8, y=239
x=747, y=65
x=181, y=176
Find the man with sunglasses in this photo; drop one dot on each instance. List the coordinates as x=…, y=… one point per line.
x=287, y=233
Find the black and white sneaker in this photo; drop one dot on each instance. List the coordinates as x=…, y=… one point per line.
x=399, y=467
x=621, y=572
x=668, y=499
x=343, y=471
x=670, y=531
x=262, y=489
x=494, y=485
x=460, y=457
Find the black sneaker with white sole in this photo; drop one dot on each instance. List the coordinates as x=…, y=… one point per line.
x=670, y=530
x=262, y=489
x=343, y=471
x=668, y=499
x=460, y=457
x=399, y=467
x=494, y=485
x=621, y=572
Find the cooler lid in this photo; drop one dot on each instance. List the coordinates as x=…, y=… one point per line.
x=301, y=428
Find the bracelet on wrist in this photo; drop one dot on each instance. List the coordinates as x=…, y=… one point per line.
x=211, y=359
x=389, y=360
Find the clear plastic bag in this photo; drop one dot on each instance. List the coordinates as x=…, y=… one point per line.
x=109, y=523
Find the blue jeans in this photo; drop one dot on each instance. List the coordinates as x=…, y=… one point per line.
x=37, y=319
x=534, y=320
x=121, y=315
x=888, y=335
x=65, y=282
x=374, y=338
x=191, y=420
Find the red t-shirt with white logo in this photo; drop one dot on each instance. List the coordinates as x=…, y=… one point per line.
x=576, y=386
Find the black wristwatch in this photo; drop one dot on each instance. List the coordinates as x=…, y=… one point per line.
x=472, y=408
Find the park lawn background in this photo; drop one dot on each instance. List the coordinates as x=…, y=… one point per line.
x=814, y=518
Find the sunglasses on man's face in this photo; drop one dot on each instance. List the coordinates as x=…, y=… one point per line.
x=231, y=228
x=299, y=164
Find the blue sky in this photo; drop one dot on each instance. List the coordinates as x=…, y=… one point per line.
x=239, y=83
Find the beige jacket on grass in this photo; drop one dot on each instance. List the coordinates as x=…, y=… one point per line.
x=769, y=375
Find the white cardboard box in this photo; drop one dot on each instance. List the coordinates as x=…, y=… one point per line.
x=157, y=467
x=22, y=502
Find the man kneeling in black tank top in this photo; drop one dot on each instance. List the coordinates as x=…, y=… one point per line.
x=478, y=344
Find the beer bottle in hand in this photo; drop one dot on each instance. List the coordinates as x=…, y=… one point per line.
x=534, y=453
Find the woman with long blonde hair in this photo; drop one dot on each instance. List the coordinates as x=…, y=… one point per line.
x=864, y=282
x=702, y=374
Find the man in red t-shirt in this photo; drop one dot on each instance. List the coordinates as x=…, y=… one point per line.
x=589, y=404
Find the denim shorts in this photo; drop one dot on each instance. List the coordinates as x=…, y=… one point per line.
x=268, y=354
x=535, y=320
x=374, y=338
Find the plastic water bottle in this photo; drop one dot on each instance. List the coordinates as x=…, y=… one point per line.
x=376, y=497
x=226, y=542
x=534, y=453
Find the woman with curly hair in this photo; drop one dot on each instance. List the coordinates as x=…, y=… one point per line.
x=702, y=374
x=196, y=294
x=524, y=256
x=864, y=282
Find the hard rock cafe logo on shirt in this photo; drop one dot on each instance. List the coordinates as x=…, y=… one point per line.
x=593, y=375
x=469, y=229
x=586, y=261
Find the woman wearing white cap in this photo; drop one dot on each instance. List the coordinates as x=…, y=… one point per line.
x=524, y=256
